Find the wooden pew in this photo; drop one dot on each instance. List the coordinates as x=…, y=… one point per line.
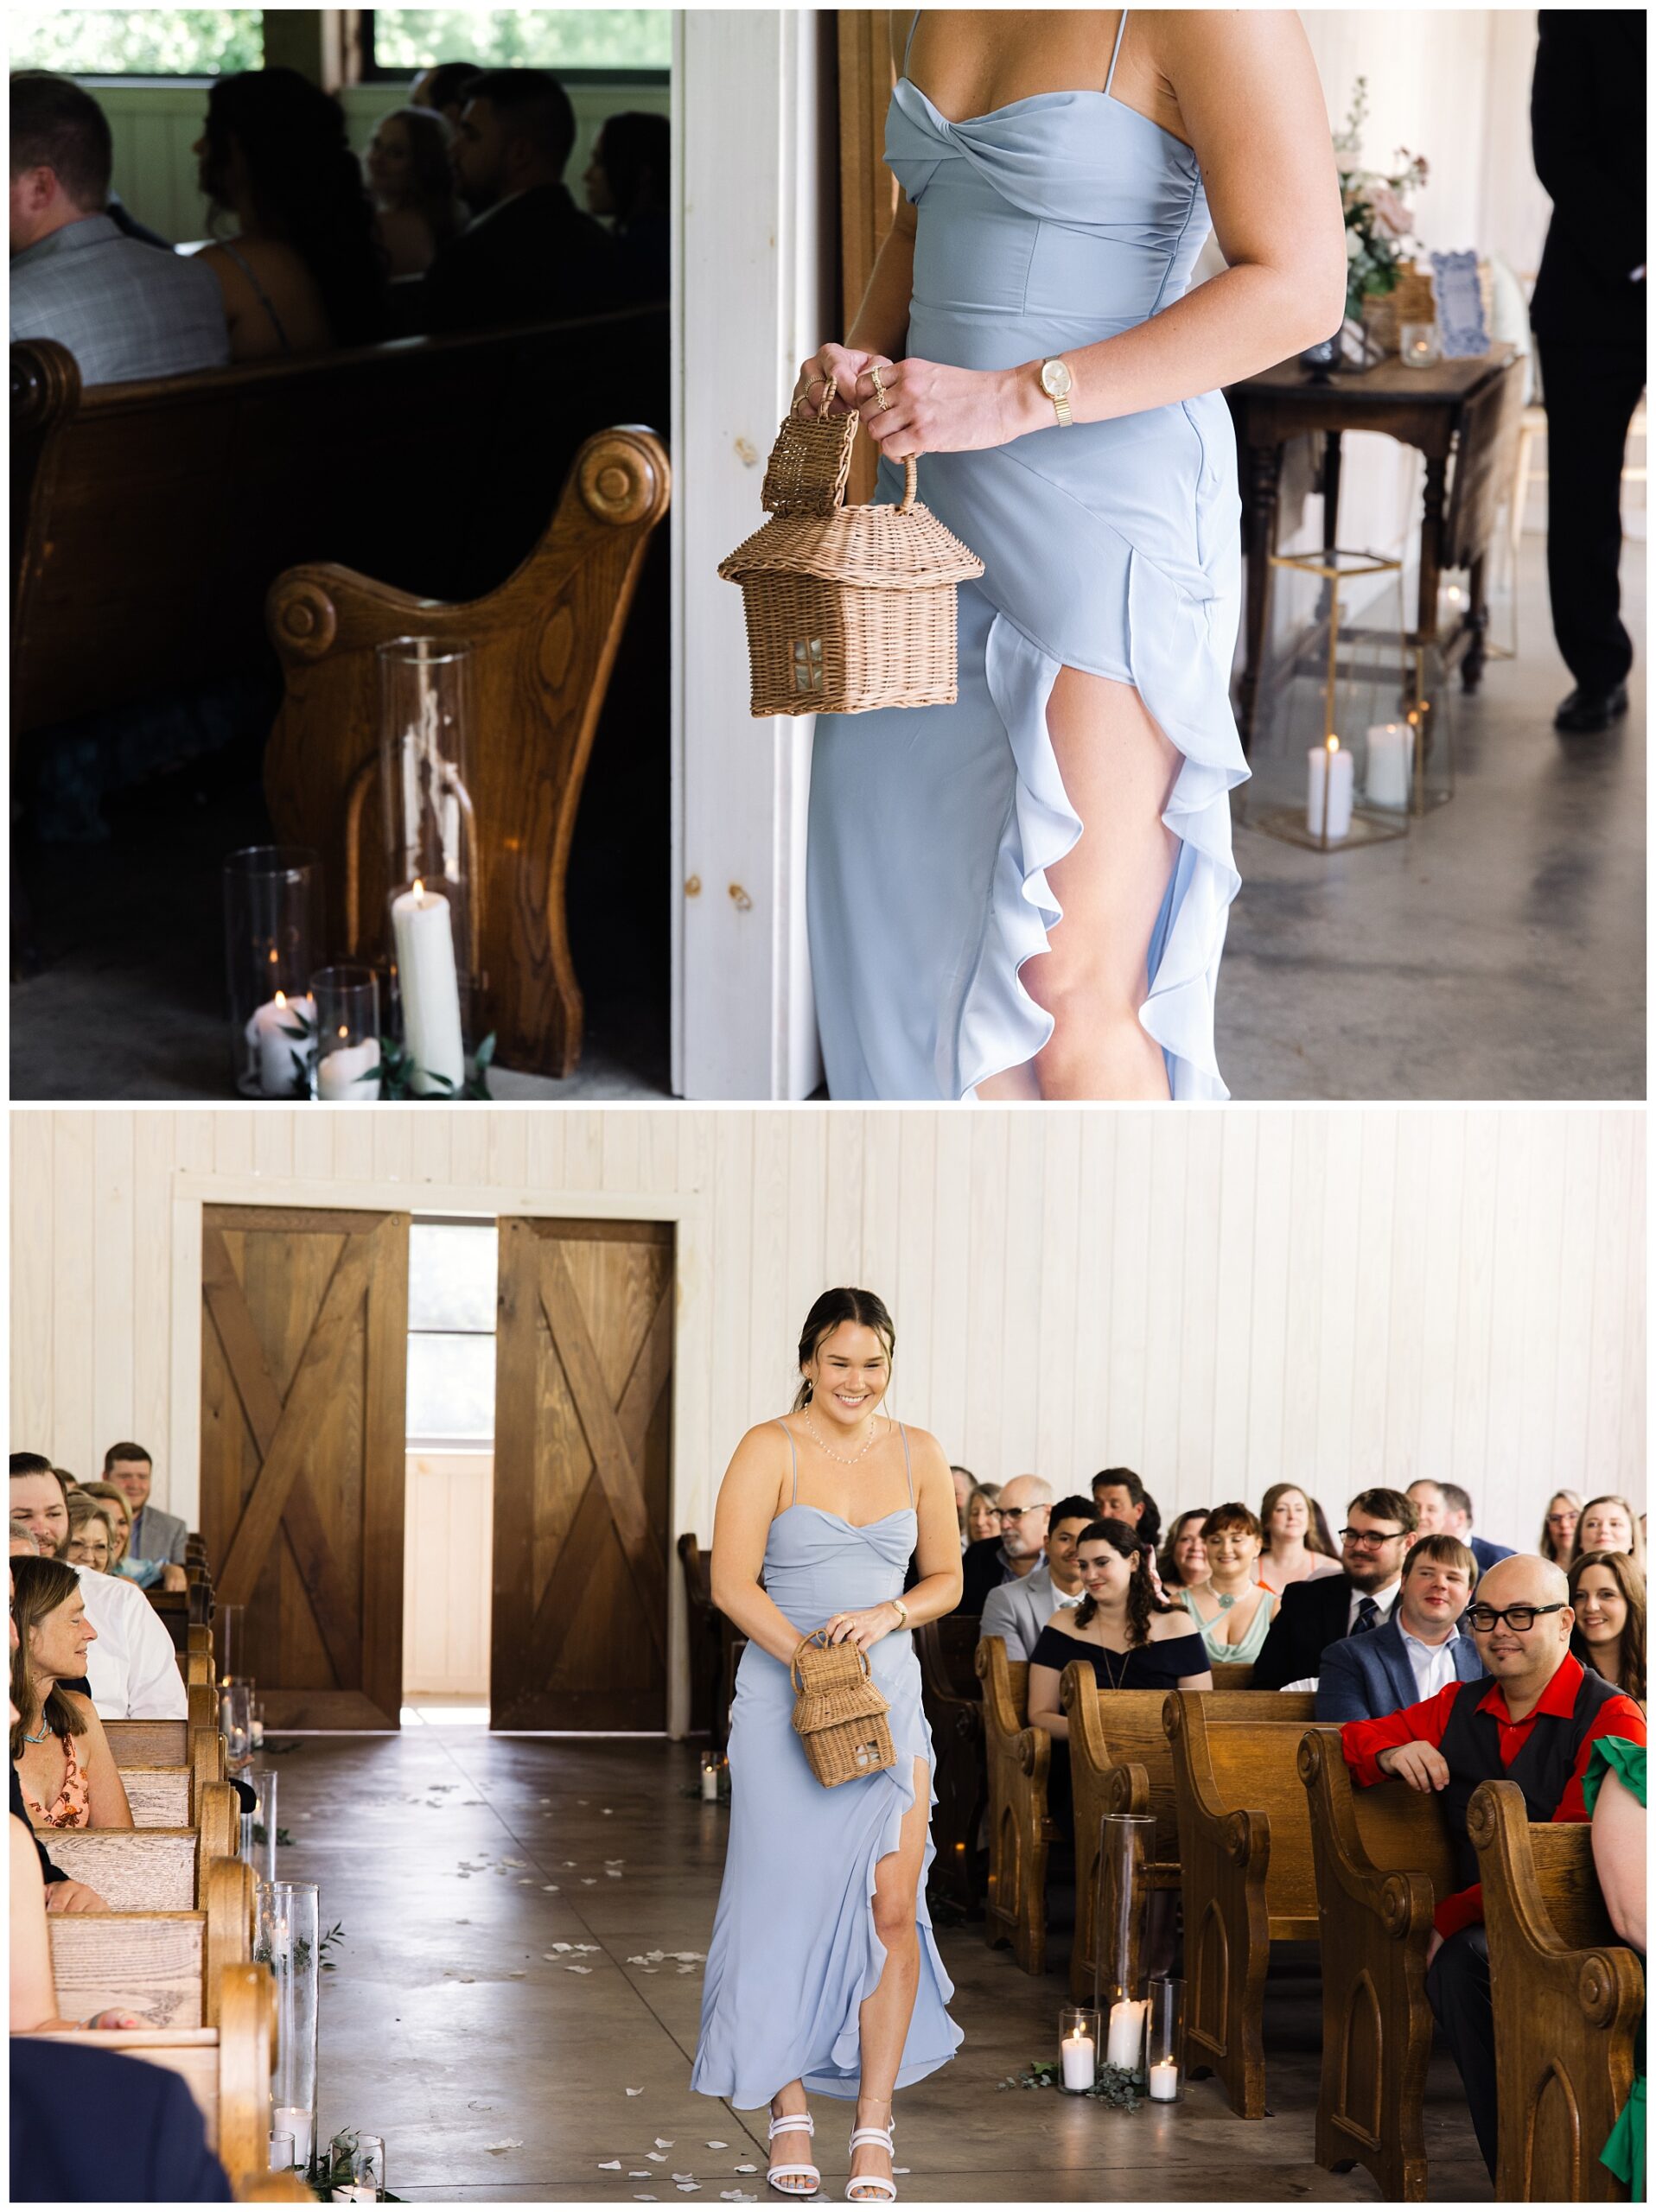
x=153, y=1870
x=1244, y=1842
x=1121, y=1761
x=543, y=644
x=1568, y=1999
x=1022, y=1831
x=195, y=1743
x=1381, y=1859
x=166, y=1966
x=160, y=1796
x=227, y=2068
x=953, y=1706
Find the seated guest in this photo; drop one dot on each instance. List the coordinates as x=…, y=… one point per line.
x=153, y=1535
x=148, y=1573
x=304, y=272
x=1183, y=1563
x=413, y=188
x=1445, y=1510
x=529, y=253
x=1021, y=1517
x=89, y=1537
x=965, y=1483
x=1419, y=1651
x=1017, y=1611
x=123, y=310
x=1313, y=1615
x=1533, y=1717
x=137, y=2134
x=983, y=1514
x=131, y=1668
x=1232, y=1611
x=1614, y=1794
x=1119, y=1496
x=63, y=1894
x=1131, y=1639
x=64, y=1765
x=1292, y=1550
x=1607, y=1595
x=628, y=178
x=442, y=89
x=33, y=1993
x=1558, y=1539
x=1609, y=1524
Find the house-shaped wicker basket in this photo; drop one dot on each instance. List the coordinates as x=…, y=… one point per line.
x=839, y=1715
x=848, y=609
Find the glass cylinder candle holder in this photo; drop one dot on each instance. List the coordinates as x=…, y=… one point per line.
x=1126, y=1853
x=1080, y=2042
x=272, y=937
x=1417, y=344
x=226, y=1639
x=281, y=2151
x=236, y=1722
x=426, y=719
x=1164, y=2042
x=290, y=1944
x=346, y=1068
x=256, y=1711
x=367, y=2170
x=258, y=1826
x=711, y=1767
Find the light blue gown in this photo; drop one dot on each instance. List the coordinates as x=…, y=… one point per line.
x=1108, y=547
x=795, y=1952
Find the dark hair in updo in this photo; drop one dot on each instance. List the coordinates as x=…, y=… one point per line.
x=834, y=1306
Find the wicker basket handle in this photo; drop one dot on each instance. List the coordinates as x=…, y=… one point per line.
x=910, y=472
x=821, y=1637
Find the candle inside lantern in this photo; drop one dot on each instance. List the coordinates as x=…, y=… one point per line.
x=1080, y=2055
x=281, y=1057
x=1390, y=760
x=424, y=928
x=281, y=2152
x=710, y=1778
x=294, y=2120
x=350, y=1072
x=1328, y=795
x=356, y=2192
x=1163, y=2081
x=1126, y=2040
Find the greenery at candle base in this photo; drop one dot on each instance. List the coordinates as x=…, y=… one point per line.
x=398, y=1067
x=1114, y=2085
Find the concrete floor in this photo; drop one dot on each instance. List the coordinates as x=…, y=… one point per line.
x=1498, y=952
x=497, y=2074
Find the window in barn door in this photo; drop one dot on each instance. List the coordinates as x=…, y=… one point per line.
x=452, y=1268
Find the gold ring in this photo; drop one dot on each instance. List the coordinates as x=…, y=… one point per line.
x=879, y=388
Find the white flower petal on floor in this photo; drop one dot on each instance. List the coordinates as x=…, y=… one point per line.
x=663, y=2143
x=510, y=2143
x=635, y=2093
x=570, y=1967
x=718, y=2146
x=609, y=2165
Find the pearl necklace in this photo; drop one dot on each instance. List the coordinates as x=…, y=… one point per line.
x=829, y=1449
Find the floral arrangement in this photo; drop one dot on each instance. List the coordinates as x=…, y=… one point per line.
x=1378, y=223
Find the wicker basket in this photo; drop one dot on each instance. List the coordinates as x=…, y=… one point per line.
x=838, y=1715
x=848, y=609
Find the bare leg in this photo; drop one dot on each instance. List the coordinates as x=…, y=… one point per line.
x=790, y=2149
x=883, y=2020
x=1119, y=771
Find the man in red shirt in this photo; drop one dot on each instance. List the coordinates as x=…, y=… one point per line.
x=1533, y=1719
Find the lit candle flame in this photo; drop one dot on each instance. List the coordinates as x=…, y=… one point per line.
x=281, y=998
x=344, y=1032
x=419, y=888
x=1334, y=744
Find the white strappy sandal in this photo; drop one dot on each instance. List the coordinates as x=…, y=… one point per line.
x=872, y=2189
x=780, y=2177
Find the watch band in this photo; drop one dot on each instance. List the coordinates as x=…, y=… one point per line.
x=902, y=1610
x=1060, y=408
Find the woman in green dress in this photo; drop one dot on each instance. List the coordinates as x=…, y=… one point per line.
x=1614, y=1788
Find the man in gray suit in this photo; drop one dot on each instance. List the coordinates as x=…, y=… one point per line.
x=156, y=1534
x=122, y=309
x=1019, y=1611
x=1418, y=1651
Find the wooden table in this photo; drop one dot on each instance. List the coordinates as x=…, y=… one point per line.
x=1457, y=407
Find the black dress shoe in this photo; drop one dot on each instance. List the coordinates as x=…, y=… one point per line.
x=1582, y=712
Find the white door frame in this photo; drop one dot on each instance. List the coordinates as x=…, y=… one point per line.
x=753, y=199
x=192, y=1191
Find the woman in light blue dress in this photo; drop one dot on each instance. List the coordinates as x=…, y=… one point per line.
x=823, y=1975
x=1026, y=893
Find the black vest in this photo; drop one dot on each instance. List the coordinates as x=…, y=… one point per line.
x=1471, y=1746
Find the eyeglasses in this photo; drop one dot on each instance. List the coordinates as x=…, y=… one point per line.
x=1558, y=1520
x=1519, y=1618
x=1017, y=1512
x=1370, y=1539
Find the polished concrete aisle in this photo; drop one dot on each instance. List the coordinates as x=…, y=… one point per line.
x=510, y=1909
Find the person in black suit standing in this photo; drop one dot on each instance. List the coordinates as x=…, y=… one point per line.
x=1587, y=124
x=1381, y=1525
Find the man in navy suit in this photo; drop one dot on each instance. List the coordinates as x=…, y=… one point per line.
x=1418, y=1651
x=1445, y=1510
x=89, y=2127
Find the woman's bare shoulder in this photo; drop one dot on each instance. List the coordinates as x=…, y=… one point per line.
x=1164, y=1627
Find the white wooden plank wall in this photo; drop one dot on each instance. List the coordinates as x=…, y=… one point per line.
x=1219, y=1300
x=446, y=1564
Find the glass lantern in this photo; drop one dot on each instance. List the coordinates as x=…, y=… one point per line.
x=1080, y=2040
x=1164, y=2042
x=272, y=936
x=1126, y=1854
x=425, y=720
x=346, y=1068
x=290, y=1944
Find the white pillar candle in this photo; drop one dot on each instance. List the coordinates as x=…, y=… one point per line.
x=1165, y=2081
x=1079, y=2055
x=350, y=1073
x=258, y=1732
x=1330, y=773
x=280, y=1056
x=294, y=2120
x=1126, y=2040
x=710, y=1785
x=1390, y=763
x=356, y=2192
x=424, y=929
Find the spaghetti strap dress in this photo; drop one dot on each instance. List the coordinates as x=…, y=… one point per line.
x=795, y=1951
x=1113, y=548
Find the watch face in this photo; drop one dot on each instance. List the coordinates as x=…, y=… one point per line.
x=1055, y=379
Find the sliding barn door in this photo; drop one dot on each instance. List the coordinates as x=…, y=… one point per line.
x=582, y=1455
x=304, y=1349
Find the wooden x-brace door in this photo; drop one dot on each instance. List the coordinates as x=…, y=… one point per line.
x=582, y=1463
x=304, y=1342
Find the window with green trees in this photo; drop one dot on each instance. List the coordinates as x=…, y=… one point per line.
x=607, y=39
x=137, y=41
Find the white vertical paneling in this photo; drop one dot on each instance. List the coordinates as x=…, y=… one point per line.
x=1218, y=1299
x=447, y=1545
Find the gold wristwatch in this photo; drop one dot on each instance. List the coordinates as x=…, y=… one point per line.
x=902, y=1610
x=1057, y=383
